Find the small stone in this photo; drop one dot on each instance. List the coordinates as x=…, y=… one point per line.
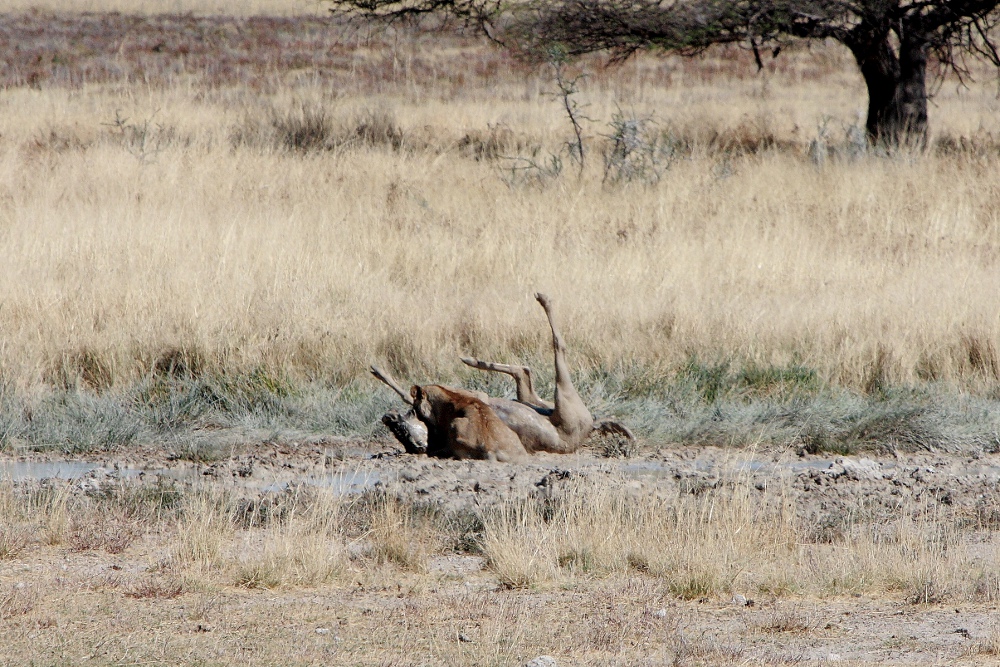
x=410, y=474
x=542, y=661
x=322, y=631
x=739, y=600
x=833, y=657
x=462, y=637
x=660, y=613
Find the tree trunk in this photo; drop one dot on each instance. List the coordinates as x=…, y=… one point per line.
x=897, y=90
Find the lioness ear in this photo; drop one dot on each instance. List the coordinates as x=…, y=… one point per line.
x=415, y=392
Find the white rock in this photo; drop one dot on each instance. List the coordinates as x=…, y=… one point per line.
x=322, y=631
x=660, y=613
x=542, y=661
x=861, y=469
x=739, y=600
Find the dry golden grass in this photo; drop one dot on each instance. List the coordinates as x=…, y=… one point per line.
x=724, y=543
x=653, y=583
x=159, y=233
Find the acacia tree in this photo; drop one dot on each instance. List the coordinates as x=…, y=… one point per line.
x=892, y=41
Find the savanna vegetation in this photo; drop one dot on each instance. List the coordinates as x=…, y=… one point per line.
x=212, y=221
x=224, y=220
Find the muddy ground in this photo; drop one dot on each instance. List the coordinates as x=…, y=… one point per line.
x=457, y=613
x=821, y=486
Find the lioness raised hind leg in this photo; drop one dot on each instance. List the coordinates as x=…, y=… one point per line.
x=568, y=414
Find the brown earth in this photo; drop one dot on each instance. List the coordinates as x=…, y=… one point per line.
x=821, y=486
x=98, y=609
x=101, y=608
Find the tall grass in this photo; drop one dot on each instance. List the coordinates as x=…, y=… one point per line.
x=191, y=231
x=316, y=265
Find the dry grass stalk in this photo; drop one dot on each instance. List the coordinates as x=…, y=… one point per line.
x=204, y=528
x=397, y=535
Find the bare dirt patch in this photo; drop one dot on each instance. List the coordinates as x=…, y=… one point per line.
x=109, y=604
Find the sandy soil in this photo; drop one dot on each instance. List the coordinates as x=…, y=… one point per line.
x=84, y=606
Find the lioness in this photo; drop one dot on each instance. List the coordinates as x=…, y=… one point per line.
x=559, y=427
x=460, y=424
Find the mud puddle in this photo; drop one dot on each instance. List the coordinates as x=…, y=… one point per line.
x=818, y=485
x=258, y=478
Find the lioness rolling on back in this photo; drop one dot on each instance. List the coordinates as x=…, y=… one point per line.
x=460, y=424
x=537, y=425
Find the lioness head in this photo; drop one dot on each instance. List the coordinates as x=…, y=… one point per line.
x=421, y=404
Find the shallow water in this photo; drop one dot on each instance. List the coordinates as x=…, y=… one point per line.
x=19, y=471
x=341, y=483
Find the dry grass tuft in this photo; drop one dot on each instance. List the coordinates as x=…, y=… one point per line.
x=399, y=534
x=13, y=539
x=988, y=645
x=152, y=587
x=204, y=527
x=723, y=541
x=40, y=515
x=17, y=600
x=782, y=619
x=112, y=533
x=517, y=545
x=290, y=556
x=305, y=547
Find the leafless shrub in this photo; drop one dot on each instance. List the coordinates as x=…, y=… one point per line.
x=636, y=151
x=143, y=139
x=496, y=142
x=378, y=128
